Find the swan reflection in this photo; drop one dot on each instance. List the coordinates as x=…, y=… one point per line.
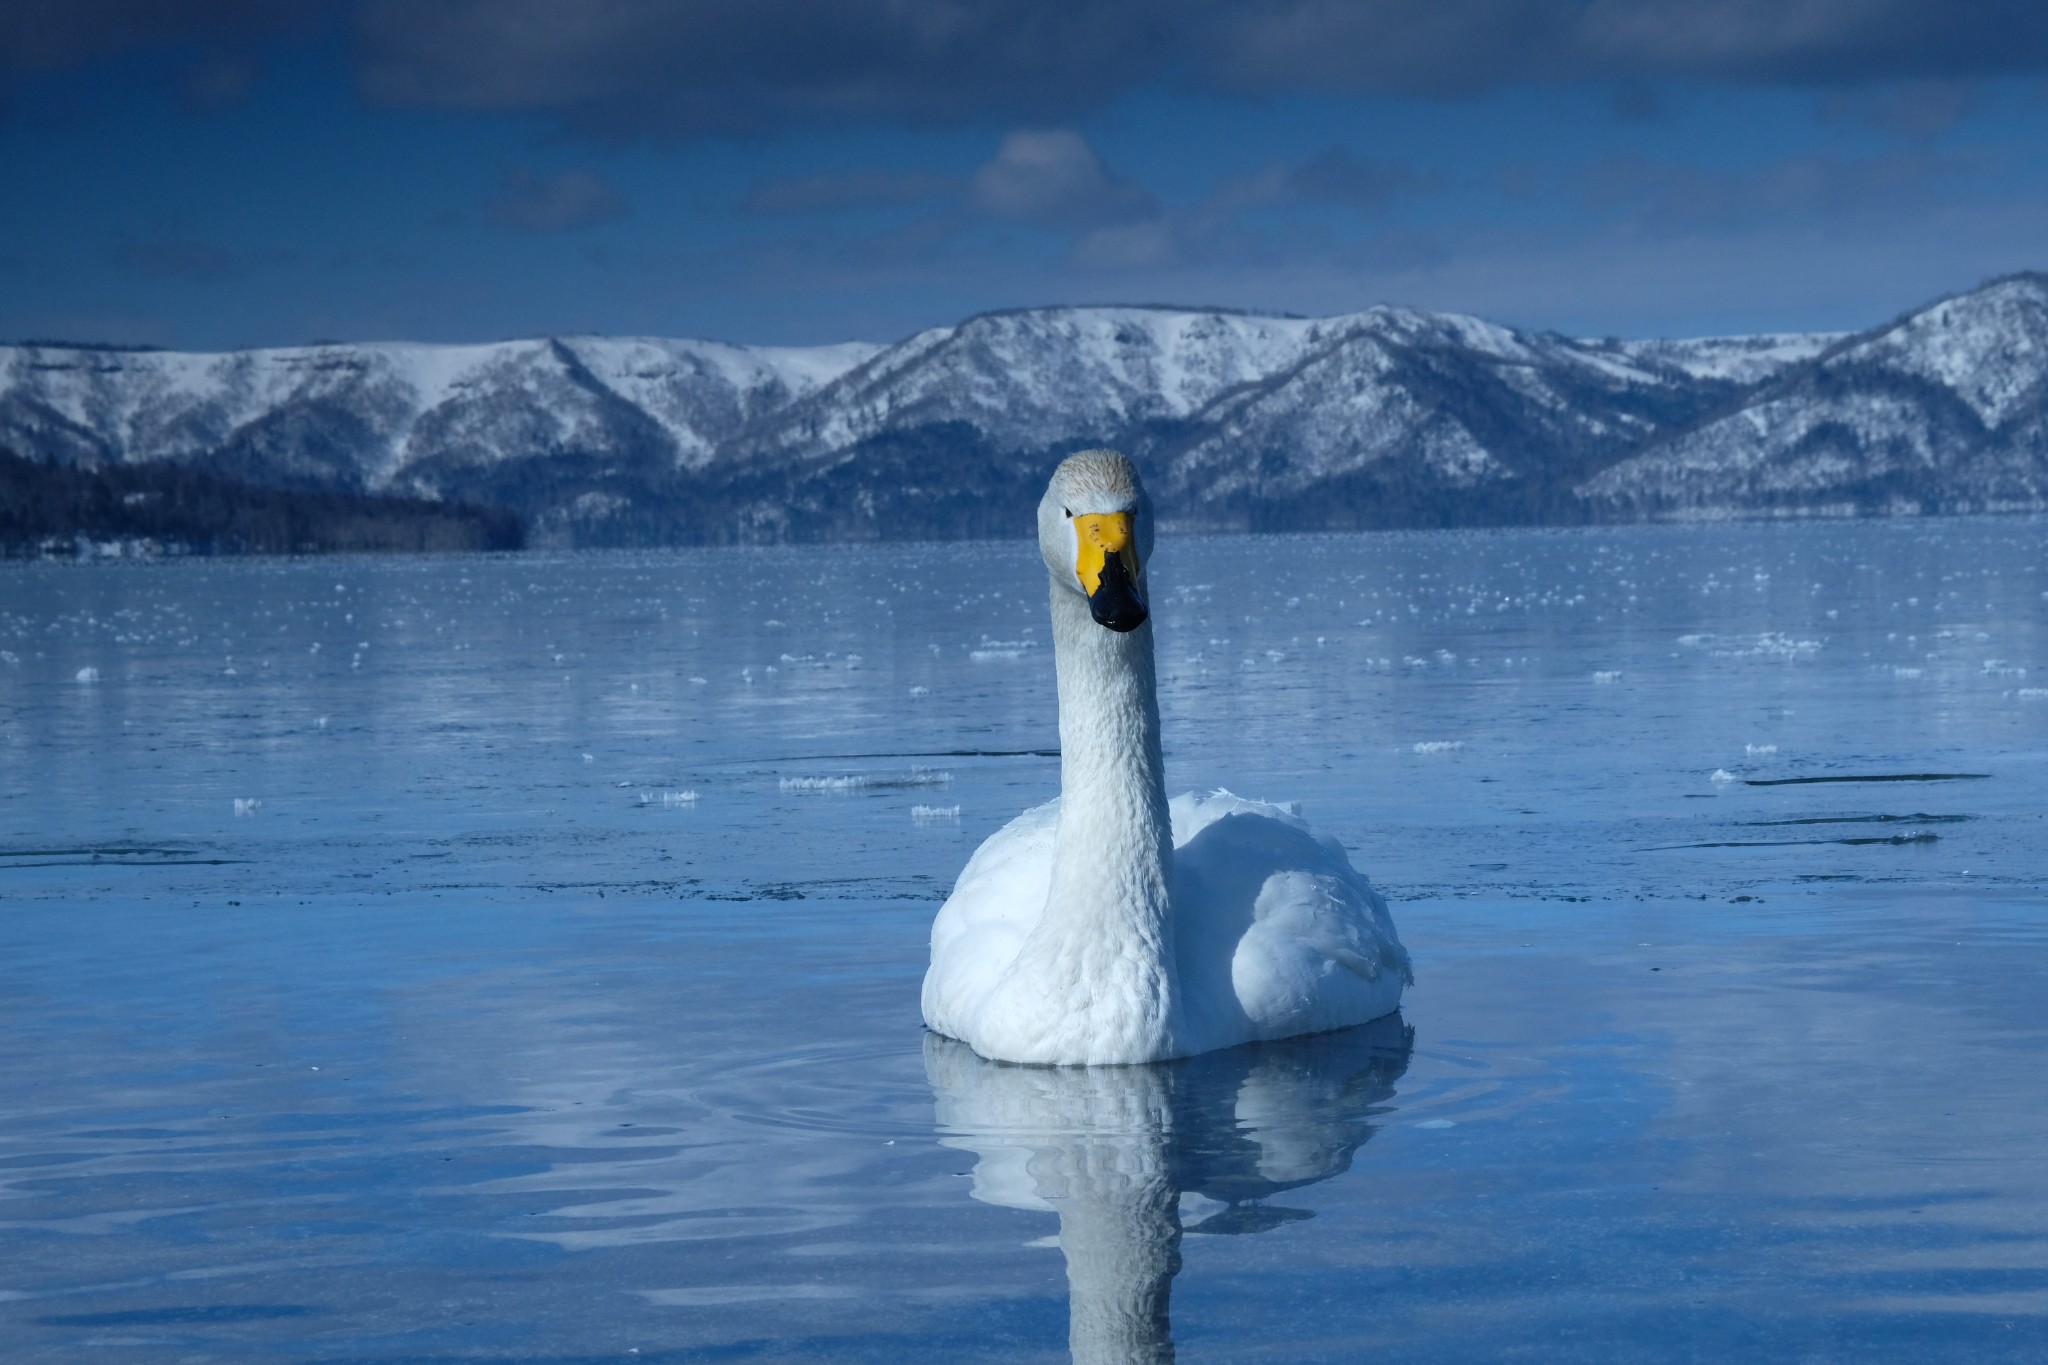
x=1113, y=1149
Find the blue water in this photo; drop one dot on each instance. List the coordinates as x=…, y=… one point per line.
x=468, y=1034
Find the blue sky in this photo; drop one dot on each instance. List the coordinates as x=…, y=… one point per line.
x=220, y=173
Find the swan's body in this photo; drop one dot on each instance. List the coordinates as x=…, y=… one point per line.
x=1109, y=926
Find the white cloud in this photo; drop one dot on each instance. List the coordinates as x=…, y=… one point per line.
x=1132, y=246
x=1053, y=178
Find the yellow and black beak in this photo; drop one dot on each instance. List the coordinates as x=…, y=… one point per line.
x=1106, y=562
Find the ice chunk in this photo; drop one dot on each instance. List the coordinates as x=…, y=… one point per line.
x=848, y=783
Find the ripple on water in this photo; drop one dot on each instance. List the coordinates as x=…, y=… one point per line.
x=863, y=1089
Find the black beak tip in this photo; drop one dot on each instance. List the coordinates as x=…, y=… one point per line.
x=1120, y=611
x=1115, y=603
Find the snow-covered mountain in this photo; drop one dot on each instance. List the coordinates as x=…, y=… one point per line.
x=1381, y=418
x=415, y=419
x=1421, y=419
x=1945, y=409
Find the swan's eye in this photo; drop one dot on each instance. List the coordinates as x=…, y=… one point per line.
x=1069, y=511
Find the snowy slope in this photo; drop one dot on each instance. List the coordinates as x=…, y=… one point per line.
x=702, y=392
x=1406, y=412
x=1945, y=409
x=1032, y=380
x=391, y=414
x=1740, y=359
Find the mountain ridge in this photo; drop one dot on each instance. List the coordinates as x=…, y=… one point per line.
x=1384, y=417
x=1903, y=418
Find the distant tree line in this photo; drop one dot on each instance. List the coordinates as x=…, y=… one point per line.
x=46, y=508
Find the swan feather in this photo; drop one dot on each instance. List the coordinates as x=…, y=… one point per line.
x=1275, y=932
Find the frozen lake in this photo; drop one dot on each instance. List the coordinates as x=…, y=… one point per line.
x=518, y=958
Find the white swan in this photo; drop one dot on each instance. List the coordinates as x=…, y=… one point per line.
x=1108, y=926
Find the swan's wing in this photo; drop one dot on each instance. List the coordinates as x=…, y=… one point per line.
x=1192, y=812
x=995, y=904
x=1304, y=940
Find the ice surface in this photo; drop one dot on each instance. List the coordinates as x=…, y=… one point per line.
x=458, y=1045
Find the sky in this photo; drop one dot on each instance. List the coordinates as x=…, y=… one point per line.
x=214, y=174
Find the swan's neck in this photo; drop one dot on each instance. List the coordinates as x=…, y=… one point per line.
x=1110, y=1177
x=1108, y=908
x=1123, y=1250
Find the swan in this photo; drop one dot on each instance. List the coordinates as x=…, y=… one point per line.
x=1109, y=925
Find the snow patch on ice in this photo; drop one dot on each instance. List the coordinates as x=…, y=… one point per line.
x=850, y=782
x=1769, y=644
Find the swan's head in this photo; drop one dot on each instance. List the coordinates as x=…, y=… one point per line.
x=1095, y=531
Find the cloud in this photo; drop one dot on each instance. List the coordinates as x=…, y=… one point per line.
x=1919, y=110
x=653, y=68
x=1336, y=176
x=1633, y=101
x=217, y=80
x=643, y=67
x=1050, y=181
x=1133, y=246
x=628, y=68
x=1043, y=178
x=1667, y=197
x=1449, y=47
x=191, y=260
x=1233, y=222
x=1053, y=178
x=37, y=36
x=836, y=191
x=1333, y=176
x=574, y=199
